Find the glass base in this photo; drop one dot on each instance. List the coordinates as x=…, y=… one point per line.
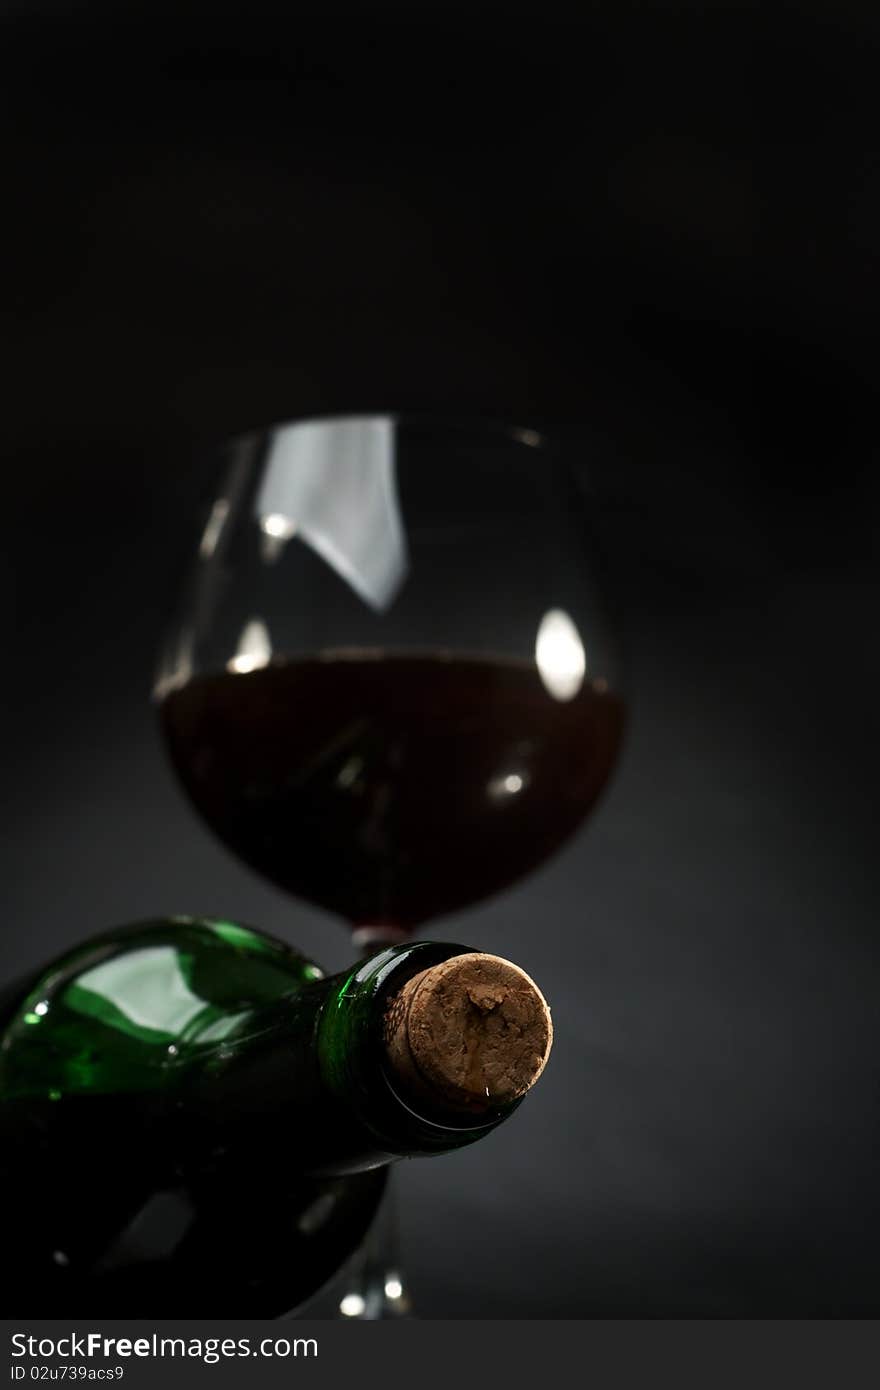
x=370, y=1286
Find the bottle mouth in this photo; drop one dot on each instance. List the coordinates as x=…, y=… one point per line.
x=466, y=1038
x=405, y=1110
x=430, y=1116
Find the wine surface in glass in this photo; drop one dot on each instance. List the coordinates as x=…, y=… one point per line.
x=391, y=788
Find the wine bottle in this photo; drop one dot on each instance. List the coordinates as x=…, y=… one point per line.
x=195, y=1121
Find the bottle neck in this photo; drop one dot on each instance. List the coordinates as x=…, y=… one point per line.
x=355, y=1066
x=309, y=1081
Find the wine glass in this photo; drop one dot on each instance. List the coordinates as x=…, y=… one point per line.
x=390, y=689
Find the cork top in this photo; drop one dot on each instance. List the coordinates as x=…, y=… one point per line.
x=468, y=1034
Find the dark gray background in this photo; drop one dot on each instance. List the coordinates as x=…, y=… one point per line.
x=655, y=233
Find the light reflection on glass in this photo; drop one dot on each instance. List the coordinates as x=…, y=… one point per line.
x=352, y=1306
x=333, y=483
x=154, y=1231
x=276, y=530
x=316, y=1214
x=178, y=666
x=214, y=527
x=350, y=772
x=254, y=649
x=531, y=438
x=560, y=655
x=278, y=525
x=508, y=784
x=144, y=995
x=221, y=1028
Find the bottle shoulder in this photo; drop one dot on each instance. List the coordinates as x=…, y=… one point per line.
x=125, y=1007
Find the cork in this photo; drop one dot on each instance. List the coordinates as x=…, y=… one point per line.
x=468, y=1034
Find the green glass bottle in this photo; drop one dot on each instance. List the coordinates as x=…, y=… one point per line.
x=195, y=1121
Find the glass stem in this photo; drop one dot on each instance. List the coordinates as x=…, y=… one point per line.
x=372, y=938
x=377, y=1287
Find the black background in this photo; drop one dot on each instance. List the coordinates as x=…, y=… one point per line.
x=654, y=230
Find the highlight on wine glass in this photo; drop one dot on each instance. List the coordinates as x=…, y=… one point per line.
x=390, y=689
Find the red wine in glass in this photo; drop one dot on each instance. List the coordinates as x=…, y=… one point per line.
x=391, y=789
